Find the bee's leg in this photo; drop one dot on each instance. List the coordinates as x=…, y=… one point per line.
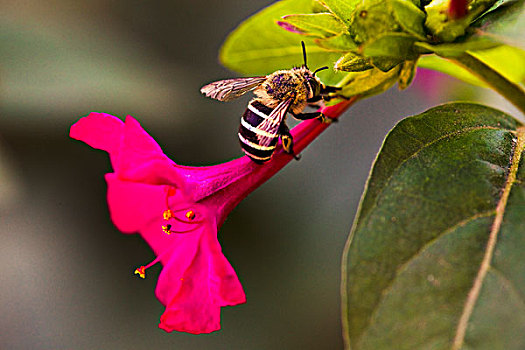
x=314, y=99
x=323, y=118
x=327, y=89
x=287, y=140
x=329, y=97
x=305, y=116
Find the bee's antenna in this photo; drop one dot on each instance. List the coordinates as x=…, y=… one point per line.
x=320, y=69
x=304, y=53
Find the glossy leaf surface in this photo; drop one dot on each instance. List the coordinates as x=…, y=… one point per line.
x=507, y=60
x=341, y=8
x=260, y=46
x=322, y=25
x=435, y=258
x=504, y=21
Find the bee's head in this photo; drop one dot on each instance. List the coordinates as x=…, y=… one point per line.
x=313, y=84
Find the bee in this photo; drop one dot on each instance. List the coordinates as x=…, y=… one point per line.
x=282, y=92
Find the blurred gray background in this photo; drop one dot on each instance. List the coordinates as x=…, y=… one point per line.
x=66, y=279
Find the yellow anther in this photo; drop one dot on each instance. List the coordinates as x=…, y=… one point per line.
x=141, y=271
x=190, y=215
x=168, y=214
x=166, y=229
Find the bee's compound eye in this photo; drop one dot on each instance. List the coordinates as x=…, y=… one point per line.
x=315, y=86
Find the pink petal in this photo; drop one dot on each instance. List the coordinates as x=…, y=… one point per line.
x=138, y=148
x=100, y=131
x=139, y=207
x=226, y=285
x=205, y=285
x=289, y=27
x=134, y=154
x=134, y=205
x=192, y=309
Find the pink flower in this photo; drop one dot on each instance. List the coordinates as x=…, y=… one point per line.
x=178, y=211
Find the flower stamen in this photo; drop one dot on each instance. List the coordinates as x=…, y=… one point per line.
x=167, y=229
x=168, y=214
x=141, y=271
x=190, y=215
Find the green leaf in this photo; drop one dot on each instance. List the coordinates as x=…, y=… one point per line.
x=322, y=25
x=458, y=48
x=505, y=22
x=448, y=67
x=369, y=82
x=259, y=46
x=497, y=26
x=395, y=45
x=339, y=43
x=440, y=25
x=446, y=29
x=508, y=61
x=409, y=16
x=352, y=63
x=374, y=18
x=513, y=92
x=406, y=74
x=435, y=257
x=385, y=63
x=341, y=8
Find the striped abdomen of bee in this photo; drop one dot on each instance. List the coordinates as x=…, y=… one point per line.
x=251, y=133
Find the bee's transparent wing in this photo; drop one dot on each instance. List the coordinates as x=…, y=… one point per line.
x=271, y=125
x=229, y=89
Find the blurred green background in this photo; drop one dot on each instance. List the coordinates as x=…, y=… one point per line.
x=66, y=278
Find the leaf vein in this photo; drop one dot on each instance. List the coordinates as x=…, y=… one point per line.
x=496, y=226
x=403, y=267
